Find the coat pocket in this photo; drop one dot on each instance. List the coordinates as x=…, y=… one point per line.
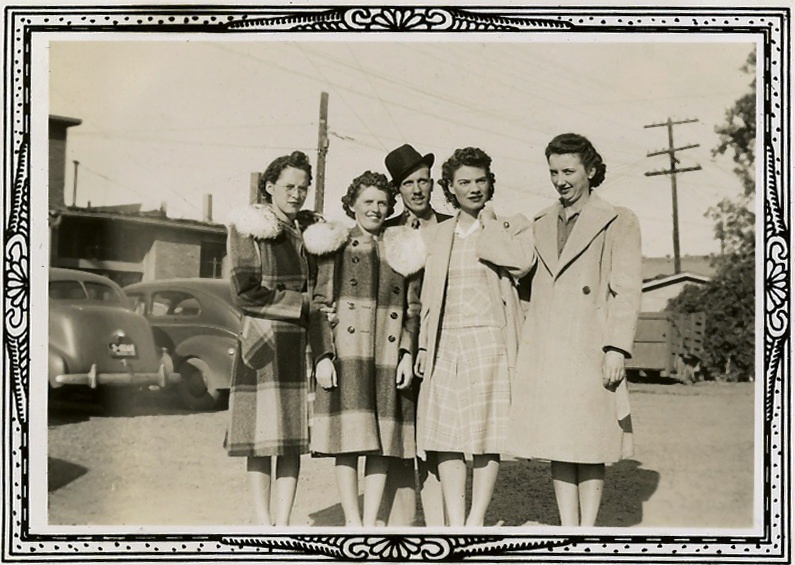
x=257, y=342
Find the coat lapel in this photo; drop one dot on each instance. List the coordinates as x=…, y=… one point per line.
x=595, y=215
x=546, y=235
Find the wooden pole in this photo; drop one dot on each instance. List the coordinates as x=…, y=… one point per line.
x=322, y=150
x=74, y=184
x=671, y=151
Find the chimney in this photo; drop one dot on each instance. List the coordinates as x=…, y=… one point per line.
x=164, y=208
x=207, y=208
x=253, y=191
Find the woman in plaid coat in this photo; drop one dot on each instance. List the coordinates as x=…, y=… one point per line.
x=364, y=350
x=470, y=322
x=270, y=284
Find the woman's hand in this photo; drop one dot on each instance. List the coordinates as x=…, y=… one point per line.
x=404, y=372
x=330, y=312
x=326, y=374
x=419, y=364
x=612, y=369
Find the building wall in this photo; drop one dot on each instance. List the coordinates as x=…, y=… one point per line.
x=57, y=166
x=656, y=300
x=172, y=257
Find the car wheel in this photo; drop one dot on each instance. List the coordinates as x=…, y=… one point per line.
x=193, y=388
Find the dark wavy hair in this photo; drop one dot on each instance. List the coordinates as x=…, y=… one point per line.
x=369, y=178
x=469, y=157
x=572, y=143
x=296, y=159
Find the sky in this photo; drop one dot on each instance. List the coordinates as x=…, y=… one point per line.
x=170, y=120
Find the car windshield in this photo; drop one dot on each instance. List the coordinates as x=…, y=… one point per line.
x=87, y=290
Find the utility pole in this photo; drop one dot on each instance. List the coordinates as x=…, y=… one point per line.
x=74, y=184
x=322, y=150
x=673, y=172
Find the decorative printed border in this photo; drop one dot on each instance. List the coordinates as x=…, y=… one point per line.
x=771, y=25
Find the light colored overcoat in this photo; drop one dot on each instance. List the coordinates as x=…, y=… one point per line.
x=505, y=245
x=581, y=303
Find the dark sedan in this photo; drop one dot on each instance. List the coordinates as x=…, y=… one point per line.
x=195, y=321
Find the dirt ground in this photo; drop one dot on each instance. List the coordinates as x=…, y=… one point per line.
x=155, y=464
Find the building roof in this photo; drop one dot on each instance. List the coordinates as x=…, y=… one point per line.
x=674, y=279
x=660, y=267
x=151, y=217
x=67, y=122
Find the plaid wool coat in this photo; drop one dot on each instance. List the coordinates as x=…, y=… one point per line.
x=270, y=284
x=373, y=286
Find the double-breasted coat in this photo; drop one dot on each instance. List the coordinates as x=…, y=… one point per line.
x=271, y=285
x=581, y=304
x=505, y=246
x=372, y=285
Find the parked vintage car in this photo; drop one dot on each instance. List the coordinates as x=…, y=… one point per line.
x=195, y=321
x=95, y=337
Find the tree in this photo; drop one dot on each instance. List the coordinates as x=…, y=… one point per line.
x=728, y=298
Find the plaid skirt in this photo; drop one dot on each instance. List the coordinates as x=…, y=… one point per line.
x=268, y=405
x=469, y=393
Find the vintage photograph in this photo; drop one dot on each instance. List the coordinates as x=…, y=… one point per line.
x=367, y=280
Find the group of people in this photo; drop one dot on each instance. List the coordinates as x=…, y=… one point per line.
x=435, y=343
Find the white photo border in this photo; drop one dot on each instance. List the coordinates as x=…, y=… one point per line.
x=769, y=25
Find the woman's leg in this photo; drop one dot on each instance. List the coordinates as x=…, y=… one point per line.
x=564, y=479
x=287, y=468
x=591, y=484
x=400, y=494
x=259, y=477
x=375, y=470
x=431, y=490
x=346, y=469
x=453, y=475
x=484, y=477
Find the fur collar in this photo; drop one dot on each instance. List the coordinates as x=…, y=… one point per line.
x=323, y=238
x=256, y=220
x=404, y=250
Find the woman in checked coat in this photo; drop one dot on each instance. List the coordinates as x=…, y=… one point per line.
x=364, y=351
x=570, y=403
x=270, y=284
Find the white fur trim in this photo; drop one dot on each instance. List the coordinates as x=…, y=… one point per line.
x=255, y=221
x=325, y=237
x=404, y=250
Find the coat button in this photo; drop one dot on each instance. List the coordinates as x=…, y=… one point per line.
x=391, y=339
x=354, y=260
x=586, y=290
x=393, y=315
x=506, y=225
x=351, y=306
x=396, y=289
x=355, y=242
x=354, y=282
x=351, y=329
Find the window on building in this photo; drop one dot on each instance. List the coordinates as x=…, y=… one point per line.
x=212, y=259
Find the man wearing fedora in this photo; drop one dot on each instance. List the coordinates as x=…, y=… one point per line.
x=411, y=175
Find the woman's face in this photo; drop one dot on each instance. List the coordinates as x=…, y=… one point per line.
x=289, y=191
x=569, y=177
x=472, y=188
x=370, y=208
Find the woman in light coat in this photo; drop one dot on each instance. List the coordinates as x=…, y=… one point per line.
x=469, y=325
x=271, y=286
x=363, y=331
x=570, y=403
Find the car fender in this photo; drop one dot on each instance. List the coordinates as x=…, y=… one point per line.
x=56, y=365
x=216, y=352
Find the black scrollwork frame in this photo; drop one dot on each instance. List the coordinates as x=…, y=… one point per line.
x=771, y=25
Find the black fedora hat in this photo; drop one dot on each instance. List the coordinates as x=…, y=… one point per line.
x=404, y=160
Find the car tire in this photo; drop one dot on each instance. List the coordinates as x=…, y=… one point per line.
x=194, y=389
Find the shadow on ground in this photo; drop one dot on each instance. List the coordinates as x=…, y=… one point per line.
x=524, y=496
x=60, y=473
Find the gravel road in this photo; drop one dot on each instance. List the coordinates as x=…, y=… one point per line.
x=155, y=464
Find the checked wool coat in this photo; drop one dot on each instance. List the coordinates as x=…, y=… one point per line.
x=373, y=286
x=582, y=302
x=270, y=284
